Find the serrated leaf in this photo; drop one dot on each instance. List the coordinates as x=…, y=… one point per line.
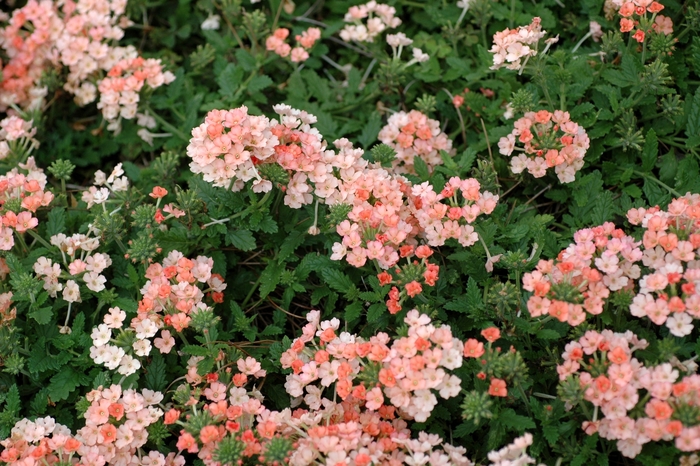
x=337, y=280
x=551, y=433
x=155, y=378
x=241, y=239
x=42, y=315
x=467, y=159
x=353, y=311
x=650, y=152
x=603, y=208
x=371, y=130
x=229, y=79
x=56, y=221
x=376, y=311
x=692, y=127
x=512, y=421
x=548, y=334
x=245, y=59
x=195, y=350
x=290, y=243
x=259, y=83
x=270, y=278
x=63, y=383
x=421, y=168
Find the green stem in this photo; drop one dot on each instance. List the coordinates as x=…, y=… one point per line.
x=244, y=85
x=39, y=238
x=660, y=183
x=177, y=132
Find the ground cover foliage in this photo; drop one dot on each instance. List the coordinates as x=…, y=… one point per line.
x=333, y=232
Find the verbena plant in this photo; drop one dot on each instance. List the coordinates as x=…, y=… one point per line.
x=334, y=233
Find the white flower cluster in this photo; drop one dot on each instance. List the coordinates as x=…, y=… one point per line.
x=379, y=17
x=115, y=182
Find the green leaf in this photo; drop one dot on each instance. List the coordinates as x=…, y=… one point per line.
x=337, y=280
x=230, y=79
x=421, y=168
x=56, y=221
x=63, y=383
x=259, y=83
x=269, y=278
x=155, y=373
x=603, y=208
x=42, y=315
x=195, y=350
x=241, y=239
x=371, y=130
x=353, y=311
x=548, y=334
x=650, y=152
x=692, y=127
x=375, y=312
x=551, y=433
x=512, y=421
x=467, y=159
x=245, y=59
x=290, y=243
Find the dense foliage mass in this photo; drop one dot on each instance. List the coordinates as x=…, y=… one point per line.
x=306, y=232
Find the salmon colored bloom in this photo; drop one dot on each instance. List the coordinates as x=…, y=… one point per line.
x=498, y=388
x=491, y=334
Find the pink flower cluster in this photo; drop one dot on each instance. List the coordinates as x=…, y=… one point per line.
x=615, y=382
x=513, y=454
x=172, y=289
x=276, y=43
x=401, y=213
x=115, y=428
x=602, y=259
x=549, y=140
x=511, y=45
x=328, y=433
x=119, y=91
x=412, y=135
x=42, y=441
x=663, y=272
x=628, y=10
x=668, y=288
x=379, y=18
x=16, y=136
x=402, y=373
x=473, y=348
x=230, y=144
x=23, y=193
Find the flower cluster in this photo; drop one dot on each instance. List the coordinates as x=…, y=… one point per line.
x=410, y=276
x=379, y=18
x=119, y=91
x=549, y=140
x=16, y=137
x=21, y=194
x=42, y=441
x=170, y=297
x=412, y=135
x=115, y=182
x=615, y=382
x=602, y=259
x=639, y=8
x=306, y=40
x=511, y=45
x=116, y=425
x=667, y=289
x=513, y=454
x=402, y=373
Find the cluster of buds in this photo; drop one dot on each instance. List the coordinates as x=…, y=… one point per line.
x=306, y=40
x=640, y=404
x=379, y=18
x=41, y=441
x=17, y=137
x=512, y=45
x=634, y=14
x=549, y=140
x=21, y=194
x=412, y=135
